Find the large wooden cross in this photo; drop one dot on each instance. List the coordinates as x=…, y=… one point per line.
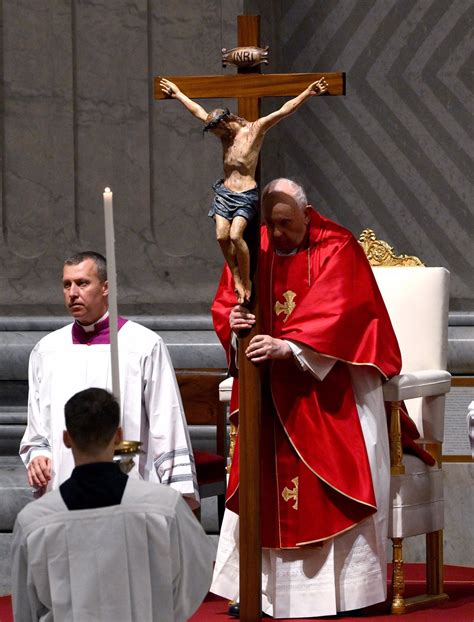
x=248, y=86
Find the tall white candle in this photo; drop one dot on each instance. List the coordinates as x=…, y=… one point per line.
x=112, y=281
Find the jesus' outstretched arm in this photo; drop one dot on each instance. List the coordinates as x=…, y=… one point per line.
x=170, y=89
x=315, y=88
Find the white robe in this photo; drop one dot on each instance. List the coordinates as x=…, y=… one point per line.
x=147, y=559
x=151, y=406
x=349, y=571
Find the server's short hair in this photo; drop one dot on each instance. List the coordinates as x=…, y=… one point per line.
x=92, y=418
x=99, y=260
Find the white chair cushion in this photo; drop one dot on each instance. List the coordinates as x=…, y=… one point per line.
x=225, y=389
x=423, y=383
x=416, y=500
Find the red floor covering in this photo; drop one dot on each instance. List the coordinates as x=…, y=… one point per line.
x=459, y=585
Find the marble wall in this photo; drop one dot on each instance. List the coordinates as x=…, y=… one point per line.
x=78, y=115
x=396, y=153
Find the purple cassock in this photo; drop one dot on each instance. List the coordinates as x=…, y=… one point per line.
x=100, y=335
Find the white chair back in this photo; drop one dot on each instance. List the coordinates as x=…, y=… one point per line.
x=417, y=300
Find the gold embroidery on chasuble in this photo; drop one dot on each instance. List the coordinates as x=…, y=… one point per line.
x=286, y=307
x=289, y=495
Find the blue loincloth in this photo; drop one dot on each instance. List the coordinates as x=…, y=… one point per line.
x=230, y=204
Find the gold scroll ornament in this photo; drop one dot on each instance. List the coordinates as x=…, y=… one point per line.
x=379, y=253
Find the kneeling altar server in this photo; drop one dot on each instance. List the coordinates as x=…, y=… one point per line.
x=105, y=546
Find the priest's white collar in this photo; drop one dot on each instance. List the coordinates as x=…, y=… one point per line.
x=89, y=328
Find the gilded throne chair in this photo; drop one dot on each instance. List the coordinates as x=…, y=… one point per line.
x=417, y=299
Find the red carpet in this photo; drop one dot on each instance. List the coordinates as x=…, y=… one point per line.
x=459, y=585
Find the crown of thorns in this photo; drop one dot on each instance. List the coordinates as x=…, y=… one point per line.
x=212, y=124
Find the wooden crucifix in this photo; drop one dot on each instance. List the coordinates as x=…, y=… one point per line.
x=248, y=86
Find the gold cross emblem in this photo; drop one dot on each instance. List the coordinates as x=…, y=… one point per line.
x=288, y=494
x=286, y=307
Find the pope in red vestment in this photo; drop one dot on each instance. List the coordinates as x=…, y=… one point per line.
x=316, y=480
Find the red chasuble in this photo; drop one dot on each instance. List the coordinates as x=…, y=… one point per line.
x=316, y=480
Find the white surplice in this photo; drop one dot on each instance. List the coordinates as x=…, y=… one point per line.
x=151, y=407
x=347, y=572
x=147, y=559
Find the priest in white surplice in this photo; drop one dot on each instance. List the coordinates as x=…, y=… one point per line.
x=105, y=546
x=77, y=357
x=327, y=343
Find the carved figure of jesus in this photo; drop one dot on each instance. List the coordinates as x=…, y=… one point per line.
x=236, y=195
